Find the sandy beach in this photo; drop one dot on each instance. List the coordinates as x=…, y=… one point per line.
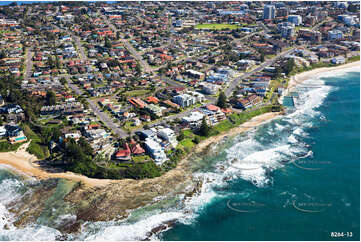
x=253, y=123
x=301, y=77
x=24, y=162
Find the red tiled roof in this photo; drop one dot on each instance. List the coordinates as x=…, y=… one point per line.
x=123, y=153
x=152, y=99
x=137, y=149
x=212, y=107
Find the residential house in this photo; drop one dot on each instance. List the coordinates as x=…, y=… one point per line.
x=124, y=154
x=155, y=151
x=168, y=135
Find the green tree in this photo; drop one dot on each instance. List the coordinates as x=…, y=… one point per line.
x=222, y=100
x=87, y=149
x=204, y=129
x=63, y=80
x=196, y=140
x=278, y=71
x=138, y=69
x=108, y=43
x=50, y=98
x=289, y=66
x=181, y=136
x=262, y=56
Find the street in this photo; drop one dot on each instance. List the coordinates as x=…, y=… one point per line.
x=104, y=117
x=233, y=85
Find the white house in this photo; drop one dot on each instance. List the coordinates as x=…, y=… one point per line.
x=2, y=131
x=168, y=135
x=194, y=119
x=155, y=151
x=338, y=60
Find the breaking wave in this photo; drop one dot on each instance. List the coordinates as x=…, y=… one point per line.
x=251, y=157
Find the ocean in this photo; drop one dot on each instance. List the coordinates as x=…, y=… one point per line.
x=293, y=178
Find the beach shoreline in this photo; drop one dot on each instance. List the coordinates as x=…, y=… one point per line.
x=23, y=162
x=320, y=72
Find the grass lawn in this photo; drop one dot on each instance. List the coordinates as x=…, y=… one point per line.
x=216, y=26
x=36, y=148
x=188, y=133
x=353, y=58
x=223, y=126
x=129, y=126
x=5, y=146
x=187, y=143
x=140, y=159
x=136, y=93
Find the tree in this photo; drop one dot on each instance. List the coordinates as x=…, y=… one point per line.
x=204, y=129
x=108, y=43
x=57, y=62
x=222, y=100
x=289, y=66
x=196, y=140
x=181, y=136
x=278, y=71
x=262, y=56
x=87, y=149
x=51, y=62
x=138, y=69
x=63, y=80
x=50, y=98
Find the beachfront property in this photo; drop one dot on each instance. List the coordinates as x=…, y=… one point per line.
x=188, y=99
x=168, y=135
x=108, y=79
x=155, y=150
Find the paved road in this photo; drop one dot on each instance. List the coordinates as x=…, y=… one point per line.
x=130, y=48
x=76, y=39
x=143, y=63
x=79, y=47
x=232, y=86
x=171, y=82
x=101, y=115
x=28, y=63
x=106, y=119
x=263, y=26
x=74, y=87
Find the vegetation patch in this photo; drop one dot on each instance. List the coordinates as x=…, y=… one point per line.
x=136, y=93
x=36, y=146
x=187, y=143
x=216, y=26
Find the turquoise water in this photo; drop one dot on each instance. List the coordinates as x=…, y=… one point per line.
x=295, y=203
x=294, y=178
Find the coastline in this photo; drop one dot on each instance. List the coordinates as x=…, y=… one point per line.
x=96, y=200
x=23, y=162
x=319, y=72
